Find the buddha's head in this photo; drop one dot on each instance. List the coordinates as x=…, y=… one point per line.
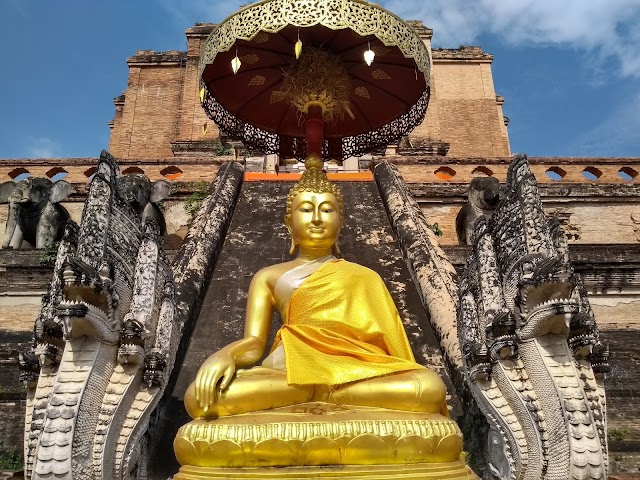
x=314, y=210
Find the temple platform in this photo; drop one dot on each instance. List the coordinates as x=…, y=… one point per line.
x=320, y=440
x=419, y=471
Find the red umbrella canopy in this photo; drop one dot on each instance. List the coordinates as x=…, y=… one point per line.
x=264, y=101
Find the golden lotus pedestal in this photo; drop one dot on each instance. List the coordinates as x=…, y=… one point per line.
x=320, y=440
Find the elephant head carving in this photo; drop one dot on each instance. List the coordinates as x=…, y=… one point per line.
x=35, y=215
x=143, y=196
x=483, y=198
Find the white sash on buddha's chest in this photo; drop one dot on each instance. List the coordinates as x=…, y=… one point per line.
x=292, y=279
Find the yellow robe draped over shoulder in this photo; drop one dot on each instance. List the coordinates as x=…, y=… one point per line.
x=341, y=326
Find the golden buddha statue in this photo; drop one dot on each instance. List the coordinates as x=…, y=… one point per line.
x=341, y=354
x=341, y=342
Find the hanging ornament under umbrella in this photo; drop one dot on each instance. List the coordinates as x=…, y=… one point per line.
x=298, y=46
x=369, y=55
x=325, y=98
x=235, y=63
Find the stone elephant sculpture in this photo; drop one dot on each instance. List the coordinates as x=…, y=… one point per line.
x=35, y=213
x=483, y=198
x=142, y=195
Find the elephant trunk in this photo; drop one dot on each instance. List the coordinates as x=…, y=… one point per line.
x=491, y=197
x=20, y=195
x=12, y=222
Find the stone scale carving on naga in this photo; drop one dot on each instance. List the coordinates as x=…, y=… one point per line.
x=104, y=342
x=531, y=350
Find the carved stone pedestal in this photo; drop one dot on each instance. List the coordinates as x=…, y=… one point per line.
x=418, y=471
x=320, y=440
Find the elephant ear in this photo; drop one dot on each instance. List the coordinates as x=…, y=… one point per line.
x=59, y=191
x=6, y=189
x=160, y=190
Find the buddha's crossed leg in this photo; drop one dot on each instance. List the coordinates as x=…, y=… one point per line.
x=258, y=388
x=262, y=388
x=419, y=390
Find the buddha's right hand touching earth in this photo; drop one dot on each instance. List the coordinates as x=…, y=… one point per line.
x=214, y=376
x=217, y=371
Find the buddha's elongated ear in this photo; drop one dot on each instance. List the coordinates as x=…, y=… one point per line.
x=287, y=223
x=292, y=248
x=335, y=247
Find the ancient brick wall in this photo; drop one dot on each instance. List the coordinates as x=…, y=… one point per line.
x=578, y=220
x=192, y=116
x=160, y=107
x=464, y=110
x=12, y=393
x=147, y=124
x=548, y=170
x=591, y=196
x=79, y=171
x=565, y=172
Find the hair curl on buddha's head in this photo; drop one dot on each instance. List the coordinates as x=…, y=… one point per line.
x=314, y=180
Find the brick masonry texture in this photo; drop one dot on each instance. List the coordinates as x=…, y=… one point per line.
x=415, y=169
x=160, y=104
x=589, y=211
x=12, y=394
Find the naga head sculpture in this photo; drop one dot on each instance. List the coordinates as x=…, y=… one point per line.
x=523, y=318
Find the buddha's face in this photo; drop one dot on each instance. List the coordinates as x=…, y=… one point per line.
x=315, y=220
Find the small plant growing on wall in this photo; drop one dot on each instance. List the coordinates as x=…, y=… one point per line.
x=194, y=202
x=10, y=460
x=223, y=150
x=436, y=229
x=619, y=434
x=49, y=254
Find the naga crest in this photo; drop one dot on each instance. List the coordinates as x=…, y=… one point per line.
x=530, y=344
x=104, y=342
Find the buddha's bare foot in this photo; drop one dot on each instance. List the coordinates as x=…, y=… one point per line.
x=414, y=391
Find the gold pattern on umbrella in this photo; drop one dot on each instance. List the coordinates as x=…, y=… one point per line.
x=318, y=78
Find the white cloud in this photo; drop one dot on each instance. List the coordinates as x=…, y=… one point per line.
x=18, y=6
x=602, y=28
x=43, y=147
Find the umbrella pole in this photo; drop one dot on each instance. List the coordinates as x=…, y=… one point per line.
x=314, y=131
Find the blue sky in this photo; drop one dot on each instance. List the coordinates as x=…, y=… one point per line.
x=569, y=70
